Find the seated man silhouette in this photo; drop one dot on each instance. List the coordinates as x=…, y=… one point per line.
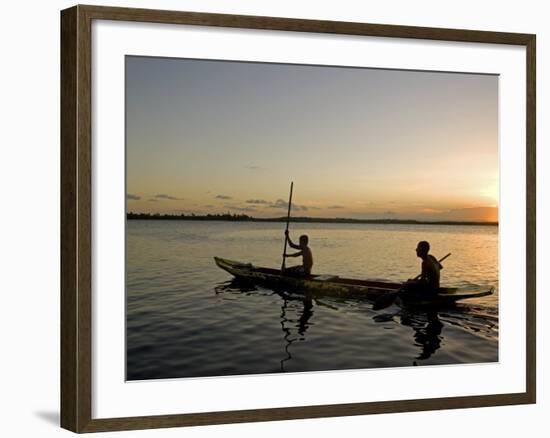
x=307, y=257
x=430, y=273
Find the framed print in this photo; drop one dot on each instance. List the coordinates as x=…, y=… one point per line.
x=253, y=204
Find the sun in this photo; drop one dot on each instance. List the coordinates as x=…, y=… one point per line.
x=491, y=194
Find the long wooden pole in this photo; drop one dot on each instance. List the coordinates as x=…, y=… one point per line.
x=287, y=222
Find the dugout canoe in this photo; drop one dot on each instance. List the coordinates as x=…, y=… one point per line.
x=332, y=285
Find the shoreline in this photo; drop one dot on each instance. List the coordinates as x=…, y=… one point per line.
x=245, y=218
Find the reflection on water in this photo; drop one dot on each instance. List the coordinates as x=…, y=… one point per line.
x=427, y=328
x=426, y=334
x=294, y=329
x=425, y=323
x=188, y=318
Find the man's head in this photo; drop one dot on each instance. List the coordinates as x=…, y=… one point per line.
x=304, y=240
x=422, y=249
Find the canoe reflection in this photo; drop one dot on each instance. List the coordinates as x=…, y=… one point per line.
x=297, y=311
x=293, y=328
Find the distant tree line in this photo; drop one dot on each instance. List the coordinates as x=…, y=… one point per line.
x=245, y=218
x=192, y=216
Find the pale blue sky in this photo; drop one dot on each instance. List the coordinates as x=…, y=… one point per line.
x=211, y=135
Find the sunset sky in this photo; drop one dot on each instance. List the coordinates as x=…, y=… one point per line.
x=217, y=136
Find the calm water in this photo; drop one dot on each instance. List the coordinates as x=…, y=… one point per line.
x=186, y=318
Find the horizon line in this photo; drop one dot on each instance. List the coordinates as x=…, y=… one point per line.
x=232, y=217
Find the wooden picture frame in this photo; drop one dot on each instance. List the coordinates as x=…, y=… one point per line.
x=76, y=218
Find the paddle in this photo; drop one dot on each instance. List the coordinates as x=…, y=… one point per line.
x=287, y=222
x=388, y=299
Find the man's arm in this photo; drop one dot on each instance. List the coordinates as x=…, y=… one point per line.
x=292, y=245
x=298, y=254
x=436, y=262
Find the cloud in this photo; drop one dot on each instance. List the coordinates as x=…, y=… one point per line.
x=253, y=167
x=131, y=197
x=280, y=203
x=256, y=201
x=223, y=197
x=236, y=207
x=335, y=206
x=168, y=197
x=389, y=213
x=153, y=200
x=240, y=208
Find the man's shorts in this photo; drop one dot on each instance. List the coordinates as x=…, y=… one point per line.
x=295, y=271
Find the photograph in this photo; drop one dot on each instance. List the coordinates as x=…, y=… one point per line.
x=290, y=218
